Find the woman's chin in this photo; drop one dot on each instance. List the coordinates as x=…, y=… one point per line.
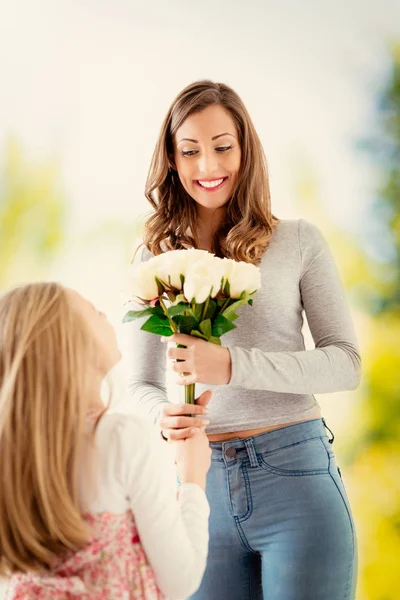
x=211, y=201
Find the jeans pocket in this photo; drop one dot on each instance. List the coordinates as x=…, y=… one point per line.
x=307, y=457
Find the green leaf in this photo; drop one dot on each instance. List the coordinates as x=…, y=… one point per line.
x=215, y=340
x=178, y=309
x=160, y=286
x=197, y=311
x=221, y=325
x=250, y=301
x=231, y=316
x=205, y=327
x=212, y=307
x=158, y=325
x=180, y=298
x=227, y=289
x=185, y=324
x=196, y=333
x=232, y=307
x=132, y=315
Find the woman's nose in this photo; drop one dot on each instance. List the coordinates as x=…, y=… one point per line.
x=208, y=163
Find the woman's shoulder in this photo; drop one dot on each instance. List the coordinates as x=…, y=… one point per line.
x=141, y=255
x=300, y=232
x=294, y=226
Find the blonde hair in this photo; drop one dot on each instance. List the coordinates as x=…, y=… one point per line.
x=44, y=353
x=248, y=223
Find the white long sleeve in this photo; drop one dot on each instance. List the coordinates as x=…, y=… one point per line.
x=173, y=531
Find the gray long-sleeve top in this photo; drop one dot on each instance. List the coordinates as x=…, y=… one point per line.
x=273, y=376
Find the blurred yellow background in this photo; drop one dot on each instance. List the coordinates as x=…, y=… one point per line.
x=84, y=88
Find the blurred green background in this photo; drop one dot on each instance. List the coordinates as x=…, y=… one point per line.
x=84, y=88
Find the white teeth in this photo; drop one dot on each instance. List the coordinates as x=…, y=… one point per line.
x=211, y=184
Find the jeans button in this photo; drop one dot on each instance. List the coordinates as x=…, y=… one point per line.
x=230, y=452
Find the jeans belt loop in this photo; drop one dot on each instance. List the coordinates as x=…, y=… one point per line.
x=251, y=451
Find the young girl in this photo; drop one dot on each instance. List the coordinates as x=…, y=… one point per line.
x=280, y=525
x=88, y=500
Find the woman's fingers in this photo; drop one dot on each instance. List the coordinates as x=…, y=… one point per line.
x=186, y=378
x=180, y=367
x=181, y=338
x=177, y=353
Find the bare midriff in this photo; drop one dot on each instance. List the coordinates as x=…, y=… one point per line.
x=223, y=437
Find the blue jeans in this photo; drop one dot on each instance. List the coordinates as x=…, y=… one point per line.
x=280, y=523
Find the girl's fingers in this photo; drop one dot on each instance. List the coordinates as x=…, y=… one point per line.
x=171, y=410
x=182, y=422
x=180, y=434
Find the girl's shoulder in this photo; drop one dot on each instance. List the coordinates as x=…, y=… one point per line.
x=122, y=437
x=120, y=426
x=129, y=448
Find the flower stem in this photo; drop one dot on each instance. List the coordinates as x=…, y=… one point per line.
x=205, y=308
x=189, y=389
x=225, y=305
x=189, y=394
x=171, y=321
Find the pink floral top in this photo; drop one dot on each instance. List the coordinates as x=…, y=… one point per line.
x=113, y=566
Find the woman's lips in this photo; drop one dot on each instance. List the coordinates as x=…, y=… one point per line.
x=211, y=185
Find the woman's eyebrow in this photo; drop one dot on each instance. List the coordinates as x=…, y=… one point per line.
x=188, y=140
x=220, y=135
x=213, y=138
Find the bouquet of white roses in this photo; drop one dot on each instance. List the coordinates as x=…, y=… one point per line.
x=192, y=292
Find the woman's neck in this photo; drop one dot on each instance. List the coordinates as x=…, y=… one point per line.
x=207, y=223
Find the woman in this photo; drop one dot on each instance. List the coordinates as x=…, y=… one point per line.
x=280, y=526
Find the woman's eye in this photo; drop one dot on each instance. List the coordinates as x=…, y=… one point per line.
x=223, y=148
x=189, y=152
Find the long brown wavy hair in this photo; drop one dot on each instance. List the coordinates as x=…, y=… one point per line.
x=45, y=351
x=248, y=223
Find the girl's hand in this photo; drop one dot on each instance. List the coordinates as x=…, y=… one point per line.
x=193, y=459
x=199, y=362
x=181, y=421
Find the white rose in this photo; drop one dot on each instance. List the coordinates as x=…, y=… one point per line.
x=203, y=277
x=242, y=277
x=143, y=281
x=171, y=265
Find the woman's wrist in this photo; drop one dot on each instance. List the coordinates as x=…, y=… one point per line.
x=226, y=365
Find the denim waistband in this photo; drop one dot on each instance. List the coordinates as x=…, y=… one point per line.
x=269, y=441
